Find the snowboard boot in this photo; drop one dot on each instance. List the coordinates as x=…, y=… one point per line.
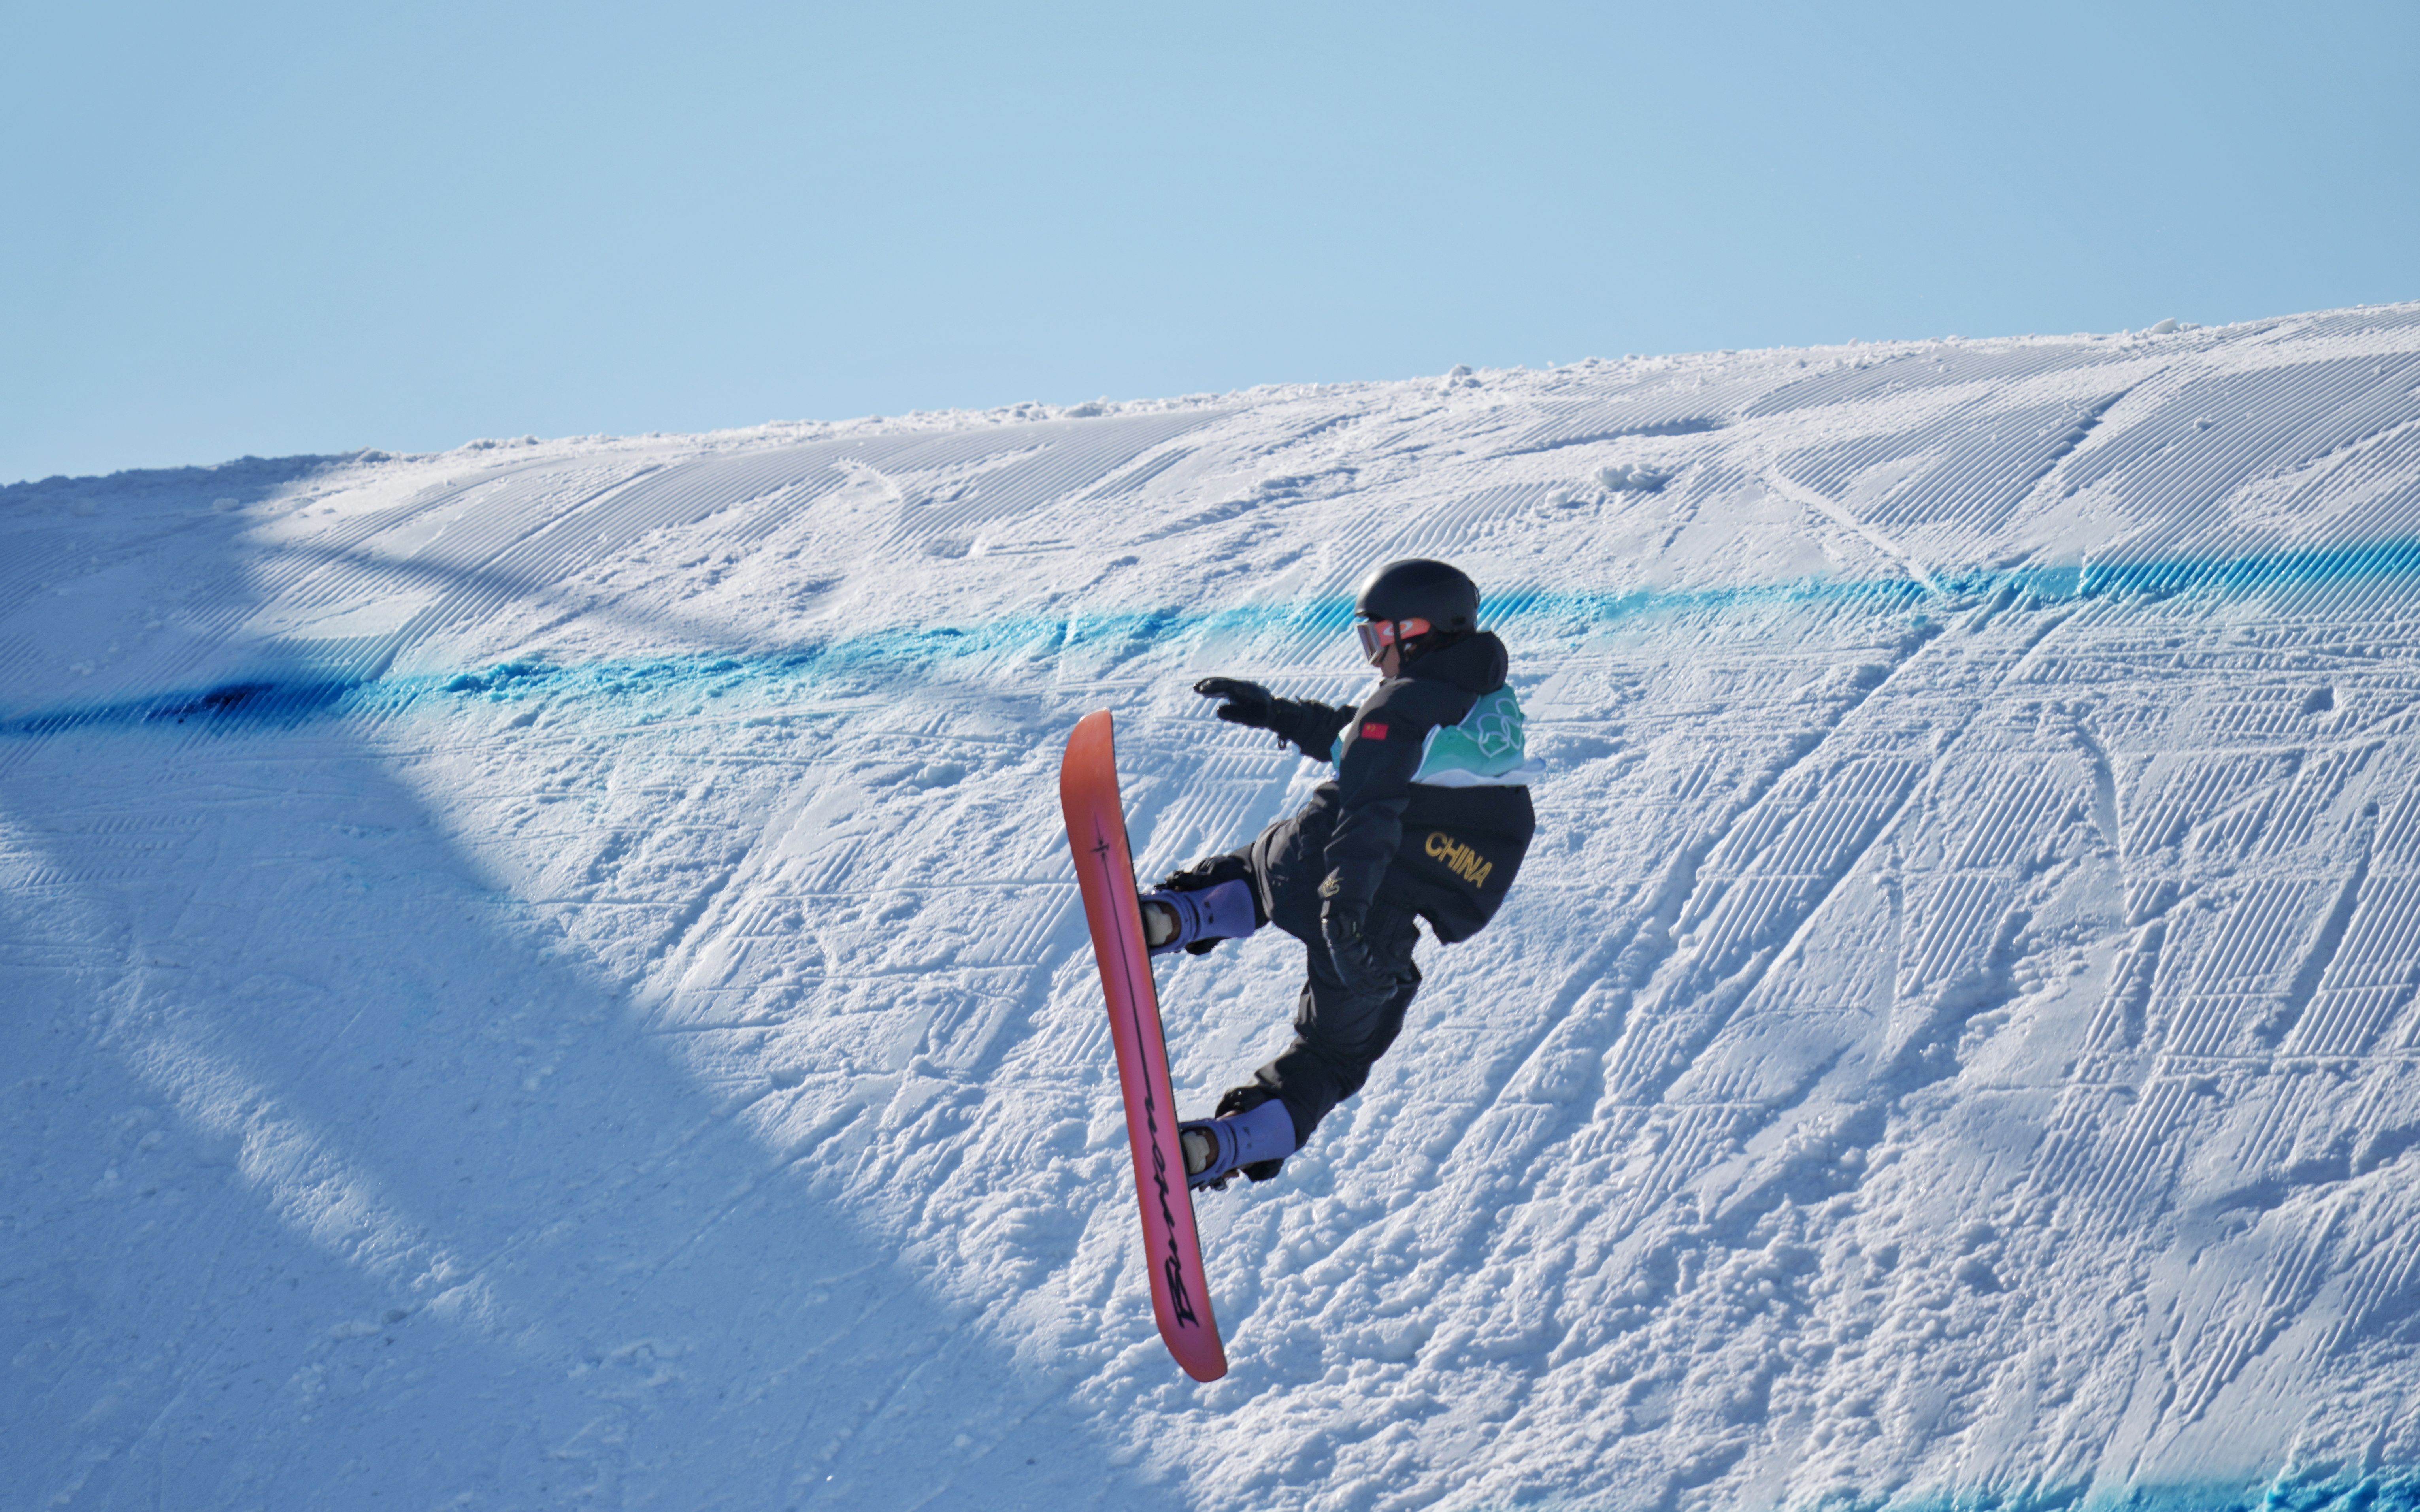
x=1196, y=920
x=1255, y=1142
x=1238, y=1100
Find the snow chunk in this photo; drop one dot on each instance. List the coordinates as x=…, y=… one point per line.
x=1634, y=477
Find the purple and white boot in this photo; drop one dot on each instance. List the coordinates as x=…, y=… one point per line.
x=1182, y=921
x=1217, y=1149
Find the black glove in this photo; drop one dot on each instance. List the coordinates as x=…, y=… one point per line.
x=1340, y=925
x=1248, y=704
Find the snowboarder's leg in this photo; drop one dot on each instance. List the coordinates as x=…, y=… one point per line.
x=1339, y=1032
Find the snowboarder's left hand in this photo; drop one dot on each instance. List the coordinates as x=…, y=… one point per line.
x=1248, y=704
x=1340, y=925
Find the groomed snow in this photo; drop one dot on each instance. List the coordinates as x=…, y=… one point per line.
x=548, y=975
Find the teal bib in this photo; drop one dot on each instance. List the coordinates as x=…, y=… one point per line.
x=1488, y=748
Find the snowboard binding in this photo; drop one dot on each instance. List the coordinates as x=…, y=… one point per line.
x=1195, y=920
x=1251, y=1141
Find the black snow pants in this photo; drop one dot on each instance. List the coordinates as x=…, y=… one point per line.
x=1339, y=1032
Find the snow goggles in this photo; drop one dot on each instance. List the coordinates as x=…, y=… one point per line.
x=1378, y=635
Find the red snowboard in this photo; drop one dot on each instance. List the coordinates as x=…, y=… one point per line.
x=1097, y=832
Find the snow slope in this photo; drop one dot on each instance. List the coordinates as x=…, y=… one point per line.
x=547, y=975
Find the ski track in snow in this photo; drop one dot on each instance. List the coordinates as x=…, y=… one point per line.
x=549, y=974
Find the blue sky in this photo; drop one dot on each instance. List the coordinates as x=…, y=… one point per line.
x=273, y=229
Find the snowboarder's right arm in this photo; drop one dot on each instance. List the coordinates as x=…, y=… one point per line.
x=1311, y=726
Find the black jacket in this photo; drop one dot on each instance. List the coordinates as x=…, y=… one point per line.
x=1449, y=854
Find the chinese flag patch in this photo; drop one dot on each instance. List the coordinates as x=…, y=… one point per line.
x=1374, y=731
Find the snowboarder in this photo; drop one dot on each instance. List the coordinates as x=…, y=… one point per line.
x=1427, y=818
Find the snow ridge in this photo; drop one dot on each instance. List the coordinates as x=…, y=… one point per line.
x=547, y=972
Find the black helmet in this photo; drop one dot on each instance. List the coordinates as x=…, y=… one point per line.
x=1416, y=588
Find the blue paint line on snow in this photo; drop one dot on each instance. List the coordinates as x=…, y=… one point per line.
x=2385, y=1489
x=871, y=664
x=250, y=701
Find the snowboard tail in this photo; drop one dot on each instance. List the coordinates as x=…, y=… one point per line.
x=1096, y=833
